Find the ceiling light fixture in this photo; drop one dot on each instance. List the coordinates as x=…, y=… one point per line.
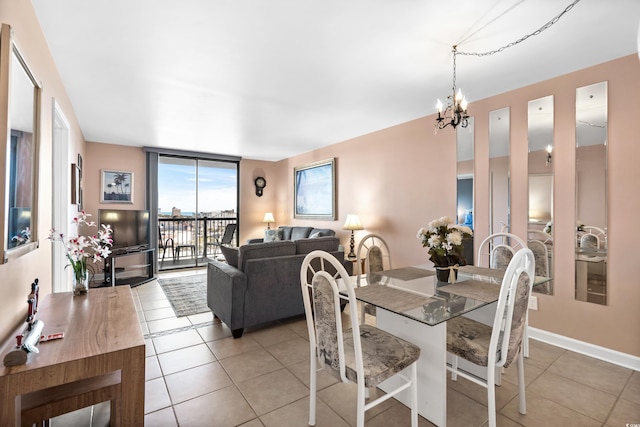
x=456, y=112
x=549, y=151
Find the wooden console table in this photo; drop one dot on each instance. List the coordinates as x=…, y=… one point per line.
x=102, y=337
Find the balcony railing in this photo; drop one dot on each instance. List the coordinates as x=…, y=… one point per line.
x=191, y=235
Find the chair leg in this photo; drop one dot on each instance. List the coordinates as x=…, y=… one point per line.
x=454, y=369
x=313, y=374
x=491, y=394
x=521, y=385
x=414, y=394
x=361, y=404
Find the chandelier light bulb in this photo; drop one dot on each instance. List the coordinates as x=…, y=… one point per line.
x=464, y=104
x=549, y=149
x=439, y=105
x=459, y=96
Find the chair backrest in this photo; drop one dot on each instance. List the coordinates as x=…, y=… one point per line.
x=376, y=254
x=593, y=237
x=540, y=235
x=228, y=233
x=497, y=250
x=322, y=277
x=541, y=255
x=511, y=314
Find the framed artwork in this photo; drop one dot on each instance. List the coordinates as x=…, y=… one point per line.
x=117, y=186
x=315, y=190
x=75, y=184
x=79, y=182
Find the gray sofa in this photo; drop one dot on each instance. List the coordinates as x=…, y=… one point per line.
x=260, y=282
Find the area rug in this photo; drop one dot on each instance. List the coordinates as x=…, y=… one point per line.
x=187, y=294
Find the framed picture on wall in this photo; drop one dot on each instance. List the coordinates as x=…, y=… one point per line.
x=117, y=186
x=75, y=184
x=315, y=190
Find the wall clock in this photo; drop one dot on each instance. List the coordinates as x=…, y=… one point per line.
x=260, y=183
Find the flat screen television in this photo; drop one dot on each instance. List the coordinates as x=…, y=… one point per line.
x=130, y=228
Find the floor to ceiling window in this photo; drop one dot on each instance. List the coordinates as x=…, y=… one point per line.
x=197, y=199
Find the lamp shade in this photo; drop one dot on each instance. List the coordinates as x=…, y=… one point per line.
x=352, y=223
x=268, y=217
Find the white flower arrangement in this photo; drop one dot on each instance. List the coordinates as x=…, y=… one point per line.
x=444, y=241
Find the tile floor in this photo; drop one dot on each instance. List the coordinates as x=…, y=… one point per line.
x=198, y=375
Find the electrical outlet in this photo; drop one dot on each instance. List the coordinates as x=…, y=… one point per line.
x=533, y=303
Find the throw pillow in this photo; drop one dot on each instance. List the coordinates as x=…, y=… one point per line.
x=272, y=235
x=230, y=254
x=315, y=235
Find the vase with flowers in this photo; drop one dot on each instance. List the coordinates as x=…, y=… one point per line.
x=444, y=241
x=79, y=249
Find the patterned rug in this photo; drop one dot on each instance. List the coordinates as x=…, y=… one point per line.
x=187, y=294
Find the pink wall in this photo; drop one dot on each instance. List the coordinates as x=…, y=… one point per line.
x=399, y=178
x=17, y=275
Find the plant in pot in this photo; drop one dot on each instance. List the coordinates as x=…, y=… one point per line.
x=444, y=241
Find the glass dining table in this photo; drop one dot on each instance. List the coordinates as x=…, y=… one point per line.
x=412, y=304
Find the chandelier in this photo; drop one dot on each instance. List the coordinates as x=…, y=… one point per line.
x=456, y=112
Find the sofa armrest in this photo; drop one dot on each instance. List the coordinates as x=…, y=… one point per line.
x=226, y=288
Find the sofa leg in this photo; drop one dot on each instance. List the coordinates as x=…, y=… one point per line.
x=237, y=333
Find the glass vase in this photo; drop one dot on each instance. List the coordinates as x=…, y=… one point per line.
x=80, y=282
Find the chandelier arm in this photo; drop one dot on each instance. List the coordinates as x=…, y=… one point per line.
x=523, y=38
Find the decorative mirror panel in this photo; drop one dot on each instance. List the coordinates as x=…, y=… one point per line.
x=591, y=193
x=540, y=166
x=465, y=170
x=499, y=197
x=19, y=97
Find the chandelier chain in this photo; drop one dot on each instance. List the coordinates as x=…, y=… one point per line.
x=520, y=40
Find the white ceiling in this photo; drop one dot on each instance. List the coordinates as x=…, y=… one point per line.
x=268, y=79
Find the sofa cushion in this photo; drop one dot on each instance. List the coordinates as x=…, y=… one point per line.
x=273, y=235
x=264, y=250
x=286, y=231
x=321, y=232
x=230, y=255
x=327, y=244
x=300, y=232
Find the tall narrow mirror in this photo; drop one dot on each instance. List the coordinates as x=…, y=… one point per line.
x=540, y=166
x=591, y=193
x=19, y=182
x=464, y=213
x=499, y=137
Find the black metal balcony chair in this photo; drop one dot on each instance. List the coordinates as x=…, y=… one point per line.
x=227, y=238
x=165, y=244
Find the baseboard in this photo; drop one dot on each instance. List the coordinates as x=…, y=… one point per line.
x=591, y=350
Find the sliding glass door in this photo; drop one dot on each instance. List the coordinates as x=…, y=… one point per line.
x=197, y=199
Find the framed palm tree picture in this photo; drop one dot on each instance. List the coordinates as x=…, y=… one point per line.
x=117, y=187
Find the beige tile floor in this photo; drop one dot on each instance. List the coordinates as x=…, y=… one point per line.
x=198, y=375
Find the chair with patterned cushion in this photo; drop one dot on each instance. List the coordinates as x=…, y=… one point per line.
x=373, y=253
x=593, y=237
x=361, y=354
x=497, y=249
x=496, y=346
x=541, y=255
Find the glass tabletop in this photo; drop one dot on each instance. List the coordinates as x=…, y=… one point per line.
x=415, y=292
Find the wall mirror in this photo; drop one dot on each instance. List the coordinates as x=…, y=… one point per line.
x=19, y=105
x=591, y=193
x=540, y=166
x=499, y=197
x=464, y=171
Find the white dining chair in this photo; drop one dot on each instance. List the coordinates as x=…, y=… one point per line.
x=496, y=346
x=373, y=253
x=361, y=354
x=497, y=249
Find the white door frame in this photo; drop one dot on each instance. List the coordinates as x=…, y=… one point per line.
x=61, y=200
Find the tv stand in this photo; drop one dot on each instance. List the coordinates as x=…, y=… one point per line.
x=110, y=269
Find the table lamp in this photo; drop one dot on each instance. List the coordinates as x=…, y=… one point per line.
x=268, y=218
x=352, y=223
